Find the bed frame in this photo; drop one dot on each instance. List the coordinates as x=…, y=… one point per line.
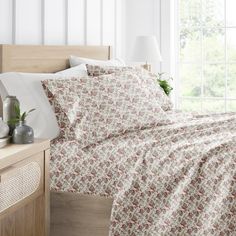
x=71, y=214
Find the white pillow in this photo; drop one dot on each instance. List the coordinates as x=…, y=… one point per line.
x=3, y=92
x=79, y=70
x=74, y=61
x=28, y=89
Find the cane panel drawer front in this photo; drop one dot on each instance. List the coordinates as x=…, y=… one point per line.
x=20, y=181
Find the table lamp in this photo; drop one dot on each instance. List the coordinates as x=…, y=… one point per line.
x=146, y=49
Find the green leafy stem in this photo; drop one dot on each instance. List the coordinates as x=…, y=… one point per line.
x=164, y=83
x=19, y=116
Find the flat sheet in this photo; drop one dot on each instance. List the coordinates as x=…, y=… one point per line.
x=175, y=179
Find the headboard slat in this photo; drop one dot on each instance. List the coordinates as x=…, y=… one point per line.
x=46, y=59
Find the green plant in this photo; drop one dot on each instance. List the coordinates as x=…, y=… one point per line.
x=164, y=83
x=19, y=116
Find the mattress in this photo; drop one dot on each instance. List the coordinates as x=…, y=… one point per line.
x=174, y=179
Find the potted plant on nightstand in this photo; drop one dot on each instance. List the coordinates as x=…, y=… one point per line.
x=22, y=134
x=164, y=82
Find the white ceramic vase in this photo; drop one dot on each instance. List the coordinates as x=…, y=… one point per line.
x=4, y=129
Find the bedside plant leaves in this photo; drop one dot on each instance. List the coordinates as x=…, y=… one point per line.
x=31, y=111
x=23, y=116
x=164, y=83
x=19, y=117
x=17, y=111
x=165, y=86
x=13, y=121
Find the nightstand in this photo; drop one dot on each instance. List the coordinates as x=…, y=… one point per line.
x=24, y=189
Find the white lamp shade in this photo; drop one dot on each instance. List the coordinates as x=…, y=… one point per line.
x=146, y=49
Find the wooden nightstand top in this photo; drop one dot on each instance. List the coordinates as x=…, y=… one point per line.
x=13, y=153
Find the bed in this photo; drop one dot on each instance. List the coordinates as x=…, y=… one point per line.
x=172, y=177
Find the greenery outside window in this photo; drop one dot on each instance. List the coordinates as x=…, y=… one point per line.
x=207, y=55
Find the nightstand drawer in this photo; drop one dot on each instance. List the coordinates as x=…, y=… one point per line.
x=21, y=181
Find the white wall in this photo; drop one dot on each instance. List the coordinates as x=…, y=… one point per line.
x=62, y=22
x=87, y=22
x=142, y=18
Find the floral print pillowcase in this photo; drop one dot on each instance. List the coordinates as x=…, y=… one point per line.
x=93, y=109
x=96, y=70
x=163, y=99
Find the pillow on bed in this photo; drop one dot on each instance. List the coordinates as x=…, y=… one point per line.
x=163, y=99
x=80, y=70
x=96, y=108
x=97, y=70
x=75, y=61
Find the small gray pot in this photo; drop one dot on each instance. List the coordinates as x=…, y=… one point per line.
x=23, y=134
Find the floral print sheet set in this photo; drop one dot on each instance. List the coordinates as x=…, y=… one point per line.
x=173, y=176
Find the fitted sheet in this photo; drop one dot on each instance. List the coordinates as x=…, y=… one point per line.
x=174, y=179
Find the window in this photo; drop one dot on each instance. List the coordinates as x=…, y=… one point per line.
x=207, y=55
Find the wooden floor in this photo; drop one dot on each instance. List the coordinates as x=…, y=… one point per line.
x=79, y=215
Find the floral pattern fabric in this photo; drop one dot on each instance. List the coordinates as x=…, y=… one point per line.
x=93, y=109
x=163, y=99
x=96, y=70
x=170, y=180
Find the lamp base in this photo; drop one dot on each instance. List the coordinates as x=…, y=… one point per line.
x=147, y=67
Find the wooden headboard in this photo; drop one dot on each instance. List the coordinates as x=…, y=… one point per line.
x=46, y=59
